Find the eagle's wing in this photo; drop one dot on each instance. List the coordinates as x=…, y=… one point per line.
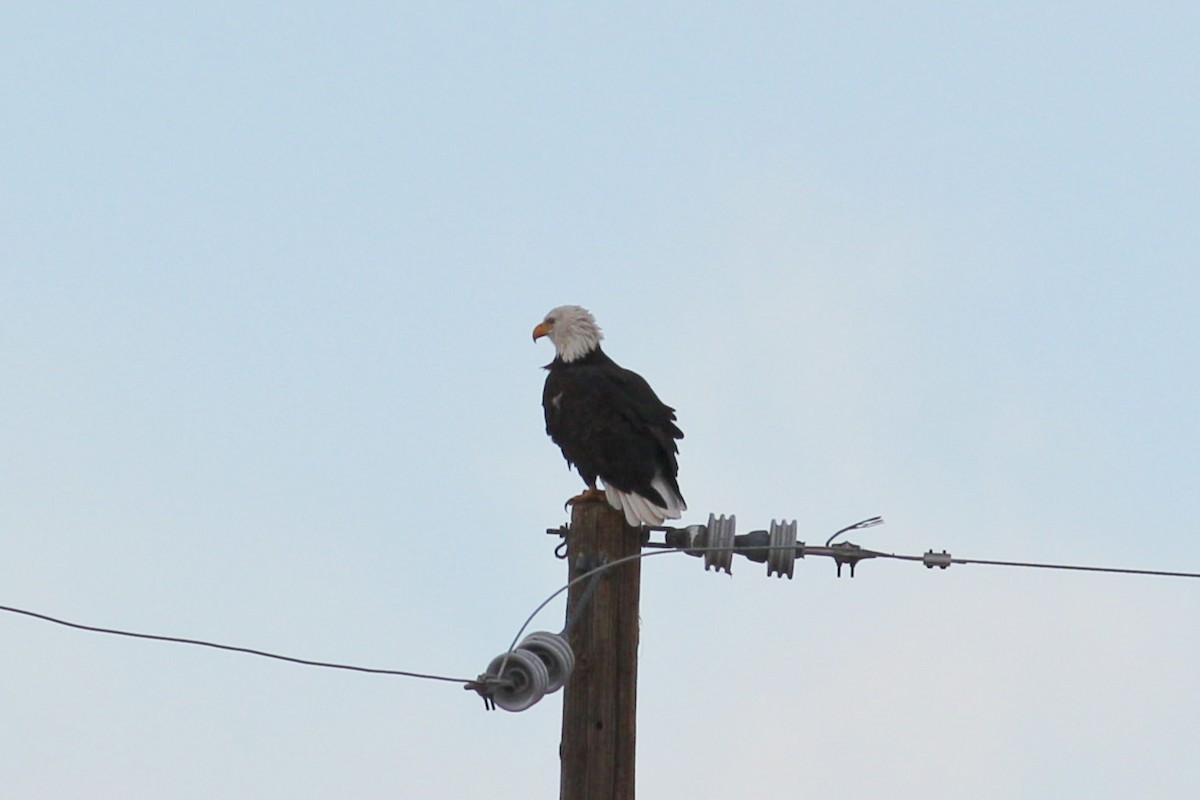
x=610, y=424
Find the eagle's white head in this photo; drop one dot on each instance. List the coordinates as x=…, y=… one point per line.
x=572, y=329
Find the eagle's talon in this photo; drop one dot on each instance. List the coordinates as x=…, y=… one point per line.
x=586, y=496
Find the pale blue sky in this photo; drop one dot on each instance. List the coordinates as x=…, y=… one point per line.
x=267, y=281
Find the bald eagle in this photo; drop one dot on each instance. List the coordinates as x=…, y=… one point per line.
x=609, y=423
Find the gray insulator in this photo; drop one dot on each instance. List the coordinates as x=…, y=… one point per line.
x=523, y=679
x=719, y=555
x=555, y=653
x=782, y=555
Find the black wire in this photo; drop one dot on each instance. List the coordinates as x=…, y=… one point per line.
x=1035, y=565
x=866, y=554
x=575, y=613
x=591, y=575
x=232, y=648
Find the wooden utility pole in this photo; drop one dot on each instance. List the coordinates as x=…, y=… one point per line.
x=599, y=731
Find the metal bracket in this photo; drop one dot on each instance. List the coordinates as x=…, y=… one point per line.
x=848, y=553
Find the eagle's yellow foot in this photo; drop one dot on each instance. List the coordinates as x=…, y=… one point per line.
x=588, y=496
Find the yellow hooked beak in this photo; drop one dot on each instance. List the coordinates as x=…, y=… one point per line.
x=543, y=329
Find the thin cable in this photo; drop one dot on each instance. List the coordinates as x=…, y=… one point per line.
x=1035, y=565
x=232, y=648
x=573, y=614
x=595, y=572
x=864, y=554
x=866, y=523
x=592, y=573
x=829, y=551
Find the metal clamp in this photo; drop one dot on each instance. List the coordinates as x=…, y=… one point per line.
x=932, y=559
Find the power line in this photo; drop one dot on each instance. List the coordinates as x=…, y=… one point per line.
x=692, y=540
x=231, y=648
x=716, y=542
x=1077, y=567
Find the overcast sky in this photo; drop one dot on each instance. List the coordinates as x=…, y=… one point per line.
x=268, y=274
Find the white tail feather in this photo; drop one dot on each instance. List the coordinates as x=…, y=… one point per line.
x=640, y=511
